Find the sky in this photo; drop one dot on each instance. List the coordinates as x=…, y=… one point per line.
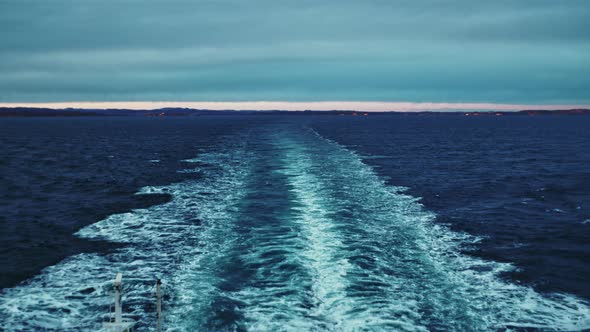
x=392, y=54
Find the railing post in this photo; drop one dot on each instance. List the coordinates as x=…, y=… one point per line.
x=159, y=305
x=118, y=295
x=120, y=324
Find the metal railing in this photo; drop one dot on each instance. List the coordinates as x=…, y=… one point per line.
x=120, y=324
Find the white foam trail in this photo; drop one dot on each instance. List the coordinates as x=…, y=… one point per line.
x=327, y=257
x=322, y=245
x=432, y=284
x=170, y=241
x=314, y=300
x=54, y=301
x=355, y=255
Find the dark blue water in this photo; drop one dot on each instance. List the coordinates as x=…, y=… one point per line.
x=297, y=223
x=522, y=184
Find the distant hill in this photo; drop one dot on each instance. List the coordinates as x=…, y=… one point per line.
x=49, y=112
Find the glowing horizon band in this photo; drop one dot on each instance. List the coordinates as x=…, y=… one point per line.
x=369, y=106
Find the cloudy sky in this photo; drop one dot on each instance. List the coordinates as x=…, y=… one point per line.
x=434, y=52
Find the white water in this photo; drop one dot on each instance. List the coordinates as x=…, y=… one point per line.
x=166, y=241
x=368, y=256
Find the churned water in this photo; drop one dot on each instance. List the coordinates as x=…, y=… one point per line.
x=297, y=224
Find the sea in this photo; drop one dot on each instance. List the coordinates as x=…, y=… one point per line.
x=297, y=223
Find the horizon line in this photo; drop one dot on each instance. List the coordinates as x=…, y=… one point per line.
x=367, y=106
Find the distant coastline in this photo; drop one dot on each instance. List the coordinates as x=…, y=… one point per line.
x=77, y=112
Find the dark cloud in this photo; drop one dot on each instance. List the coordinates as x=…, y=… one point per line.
x=495, y=51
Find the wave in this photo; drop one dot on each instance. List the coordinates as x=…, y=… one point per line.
x=287, y=230
x=164, y=241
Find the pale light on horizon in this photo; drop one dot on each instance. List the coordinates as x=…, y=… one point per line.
x=370, y=106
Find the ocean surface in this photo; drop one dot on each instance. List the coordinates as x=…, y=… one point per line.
x=297, y=223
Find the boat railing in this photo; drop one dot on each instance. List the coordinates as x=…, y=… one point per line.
x=120, y=324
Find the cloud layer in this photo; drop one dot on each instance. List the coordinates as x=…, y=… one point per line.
x=443, y=51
